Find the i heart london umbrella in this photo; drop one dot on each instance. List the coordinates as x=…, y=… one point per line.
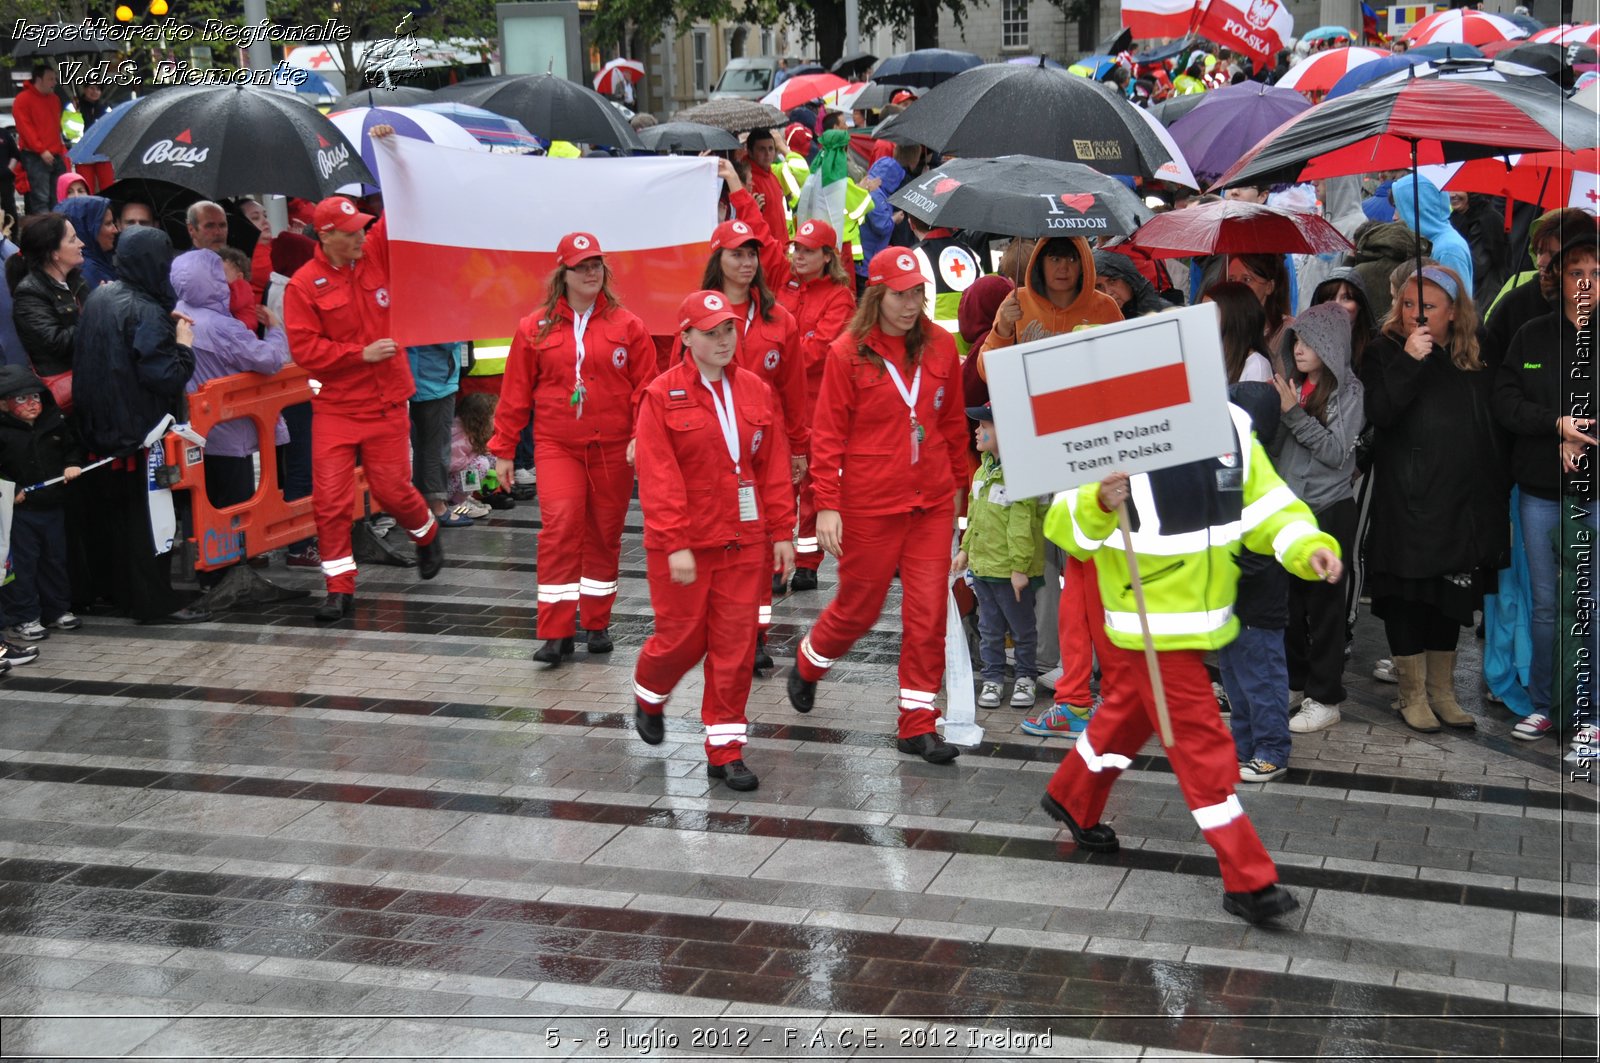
x=803, y=89
x=411, y=122
x=994, y=109
x=1230, y=121
x=1234, y=227
x=550, y=107
x=233, y=140
x=1322, y=71
x=925, y=67
x=1020, y=195
x=1463, y=26
x=688, y=138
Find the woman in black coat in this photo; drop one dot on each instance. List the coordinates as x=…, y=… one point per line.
x=47, y=291
x=1439, y=518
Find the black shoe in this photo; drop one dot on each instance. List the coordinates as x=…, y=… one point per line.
x=650, y=725
x=430, y=557
x=779, y=584
x=11, y=653
x=553, y=650
x=600, y=641
x=336, y=606
x=763, y=662
x=802, y=692
x=189, y=614
x=930, y=747
x=734, y=774
x=1096, y=839
x=804, y=579
x=1269, y=902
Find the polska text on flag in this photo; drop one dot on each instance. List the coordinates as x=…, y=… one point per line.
x=1256, y=28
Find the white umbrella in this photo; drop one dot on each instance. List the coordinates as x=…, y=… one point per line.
x=1177, y=170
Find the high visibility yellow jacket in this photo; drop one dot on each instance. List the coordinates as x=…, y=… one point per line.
x=1190, y=577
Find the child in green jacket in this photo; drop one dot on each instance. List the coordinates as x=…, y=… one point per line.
x=1004, y=548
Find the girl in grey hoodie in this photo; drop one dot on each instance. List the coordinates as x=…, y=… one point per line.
x=1315, y=452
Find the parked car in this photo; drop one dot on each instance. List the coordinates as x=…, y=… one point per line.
x=748, y=78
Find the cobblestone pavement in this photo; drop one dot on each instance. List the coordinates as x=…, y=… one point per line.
x=401, y=838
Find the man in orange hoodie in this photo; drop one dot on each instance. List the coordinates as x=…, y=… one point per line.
x=37, y=111
x=1057, y=296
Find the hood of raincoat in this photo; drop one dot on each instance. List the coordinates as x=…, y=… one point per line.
x=144, y=262
x=200, y=284
x=86, y=213
x=1432, y=216
x=1145, y=299
x=978, y=305
x=1325, y=328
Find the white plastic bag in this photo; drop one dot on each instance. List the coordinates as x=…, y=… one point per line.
x=961, y=704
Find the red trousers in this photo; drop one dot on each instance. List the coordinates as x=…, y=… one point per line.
x=583, y=499
x=1202, y=756
x=711, y=618
x=807, y=554
x=1081, y=623
x=383, y=445
x=918, y=544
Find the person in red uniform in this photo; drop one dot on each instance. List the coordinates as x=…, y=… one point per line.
x=717, y=497
x=576, y=368
x=889, y=443
x=769, y=346
x=762, y=148
x=821, y=296
x=336, y=311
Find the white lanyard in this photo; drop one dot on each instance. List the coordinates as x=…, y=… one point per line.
x=910, y=398
x=749, y=316
x=726, y=419
x=580, y=324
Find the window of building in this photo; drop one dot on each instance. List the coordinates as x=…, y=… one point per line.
x=702, y=60
x=1013, y=23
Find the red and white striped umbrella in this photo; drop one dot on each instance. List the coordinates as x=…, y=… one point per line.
x=1463, y=26
x=1323, y=70
x=803, y=89
x=1588, y=33
x=610, y=80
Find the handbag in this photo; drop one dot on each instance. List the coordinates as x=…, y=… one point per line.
x=60, y=385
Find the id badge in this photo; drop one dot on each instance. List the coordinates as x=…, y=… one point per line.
x=1230, y=479
x=747, y=502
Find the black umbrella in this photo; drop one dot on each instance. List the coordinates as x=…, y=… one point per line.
x=551, y=107
x=1020, y=195
x=684, y=138
x=1550, y=59
x=65, y=39
x=925, y=67
x=854, y=64
x=876, y=96
x=1165, y=51
x=1116, y=42
x=996, y=109
x=233, y=140
x=1173, y=108
x=170, y=204
x=399, y=96
x=807, y=68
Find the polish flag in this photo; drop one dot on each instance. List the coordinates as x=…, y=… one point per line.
x=1256, y=28
x=1159, y=18
x=1069, y=390
x=473, y=235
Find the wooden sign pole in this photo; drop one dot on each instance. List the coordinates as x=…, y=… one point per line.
x=1163, y=720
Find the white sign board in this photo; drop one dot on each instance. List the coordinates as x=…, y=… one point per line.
x=1131, y=397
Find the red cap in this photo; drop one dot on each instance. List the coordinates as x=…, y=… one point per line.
x=705, y=311
x=733, y=234
x=301, y=210
x=815, y=234
x=904, y=96
x=337, y=212
x=797, y=138
x=575, y=248
x=897, y=268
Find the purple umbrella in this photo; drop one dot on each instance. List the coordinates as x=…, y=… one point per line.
x=1230, y=121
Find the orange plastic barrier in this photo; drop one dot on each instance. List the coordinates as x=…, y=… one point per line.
x=225, y=536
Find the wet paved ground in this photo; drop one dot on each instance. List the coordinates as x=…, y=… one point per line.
x=400, y=838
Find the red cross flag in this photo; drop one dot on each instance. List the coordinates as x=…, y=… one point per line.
x=1131, y=397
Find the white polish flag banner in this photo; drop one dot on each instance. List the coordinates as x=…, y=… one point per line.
x=1256, y=28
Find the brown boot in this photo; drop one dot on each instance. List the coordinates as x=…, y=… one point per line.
x=1413, y=700
x=1442, y=690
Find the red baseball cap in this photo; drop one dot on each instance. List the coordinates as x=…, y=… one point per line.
x=815, y=234
x=577, y=247
x=897, y=268
x=705, y=310
x=733, y=234
x=338, y=213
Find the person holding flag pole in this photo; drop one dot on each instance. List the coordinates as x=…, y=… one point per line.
x=1191, y=521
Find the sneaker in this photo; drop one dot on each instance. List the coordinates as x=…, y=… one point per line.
x=11, y=654
x=989, y=696
x=523, y=477
x=1383, y=671
x=27, y=631
x=1259, y=770
x=475, y=509
x=65, y=622
x=1024, y=694
x=1224, y=706
x=1532, y=728
x=1313, y=716
x=310, y=557
x=1061, y=720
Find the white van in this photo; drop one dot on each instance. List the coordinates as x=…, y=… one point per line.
x=747, y=78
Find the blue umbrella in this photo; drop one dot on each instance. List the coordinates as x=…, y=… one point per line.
x=87, y=149
x=1441, y=50
x=925, y=67
x=1322, y=33
x=1374, y=70
x=1096, y=65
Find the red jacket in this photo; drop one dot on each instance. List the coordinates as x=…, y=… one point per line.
x=331, y=314
x=687, y=486
x=618, y=361
x=771, y=350
x=822, y=309
x=38, y=118
x=766, y=182
x=861, y=428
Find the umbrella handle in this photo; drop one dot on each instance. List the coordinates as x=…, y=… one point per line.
x=1416, y=217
